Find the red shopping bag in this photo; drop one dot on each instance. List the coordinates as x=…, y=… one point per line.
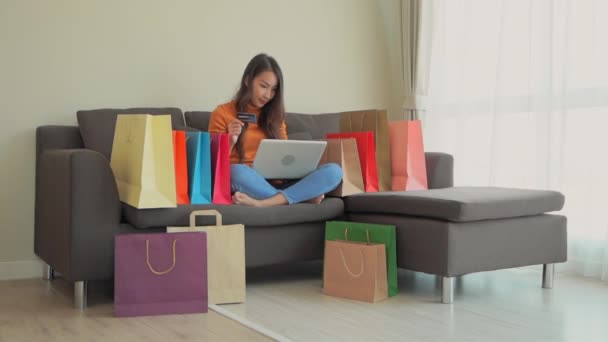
x=181, y=167
x=220, y=168
x=372, y=121
x=367, y=156
x=408, y=164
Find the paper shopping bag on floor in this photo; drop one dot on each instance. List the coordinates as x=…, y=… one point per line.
x=226, y=257
x=355, y=270
x=220, y=168
x=158, y=274
x=344, y=153
x=408, y=164
x=377, y=233
x=142, y=161
x=366, y=147
x=181, y=167
x=375, y=121
x=198, y=147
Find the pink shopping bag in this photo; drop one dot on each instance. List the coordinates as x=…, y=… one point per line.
x=220, y=168
x=408, y=164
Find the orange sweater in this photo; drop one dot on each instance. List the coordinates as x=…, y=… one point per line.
x=226, y=113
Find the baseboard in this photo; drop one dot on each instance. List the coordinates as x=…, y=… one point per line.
x=24, y=269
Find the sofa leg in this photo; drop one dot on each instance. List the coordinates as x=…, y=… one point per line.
x=80, y=295
x=447, y=290
x=548, y=272
x=49, y=272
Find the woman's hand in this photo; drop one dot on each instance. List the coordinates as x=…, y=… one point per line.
x=234, y=129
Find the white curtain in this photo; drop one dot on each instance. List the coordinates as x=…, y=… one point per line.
x=518, y=93
x=416, y=37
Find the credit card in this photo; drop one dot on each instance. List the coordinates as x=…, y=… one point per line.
x=246, y=117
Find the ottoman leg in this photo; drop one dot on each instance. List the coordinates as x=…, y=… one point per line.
x=548, y=272
x=447, y=290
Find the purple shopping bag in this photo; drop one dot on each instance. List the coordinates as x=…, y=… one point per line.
x=157, y=274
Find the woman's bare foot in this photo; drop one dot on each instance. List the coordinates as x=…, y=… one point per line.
x=316, y=200
x=243, y=199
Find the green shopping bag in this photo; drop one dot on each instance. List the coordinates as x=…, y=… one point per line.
x=378, y=233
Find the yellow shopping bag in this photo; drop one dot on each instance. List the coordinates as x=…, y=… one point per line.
x=225, y=257
x=142, y=160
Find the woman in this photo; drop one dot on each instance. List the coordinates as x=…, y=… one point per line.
x=261, y=93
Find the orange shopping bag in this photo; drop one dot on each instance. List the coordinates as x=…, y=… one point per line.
x=408, y=164
x=181, y=167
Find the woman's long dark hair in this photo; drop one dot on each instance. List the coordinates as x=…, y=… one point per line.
x=273, y=113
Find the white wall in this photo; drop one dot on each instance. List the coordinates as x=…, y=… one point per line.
x=61, y=56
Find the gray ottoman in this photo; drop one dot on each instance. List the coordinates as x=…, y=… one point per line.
x=459, y=230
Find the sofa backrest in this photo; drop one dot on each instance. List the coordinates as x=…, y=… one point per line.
x=97, y=126
x=198, y=119
x=299, y=126
x=317, y=125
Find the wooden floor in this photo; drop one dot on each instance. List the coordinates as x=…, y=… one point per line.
x=507, y=305
x=39, y=310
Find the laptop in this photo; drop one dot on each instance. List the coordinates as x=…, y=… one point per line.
x=288, y=159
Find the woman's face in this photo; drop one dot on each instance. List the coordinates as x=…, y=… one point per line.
x=264, y=88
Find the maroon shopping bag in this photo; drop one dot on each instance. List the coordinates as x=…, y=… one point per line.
x=158, y=274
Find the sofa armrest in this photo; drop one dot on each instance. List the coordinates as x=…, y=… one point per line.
x=51, y=137
x=77, y=213
x=439, y=170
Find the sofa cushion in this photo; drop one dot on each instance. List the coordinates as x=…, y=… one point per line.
x=329, y=209
x=198, y=119
x=97, y=125
x=458, y=204
x=317, y=124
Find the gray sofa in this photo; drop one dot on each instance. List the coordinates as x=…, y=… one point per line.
x=447, y=231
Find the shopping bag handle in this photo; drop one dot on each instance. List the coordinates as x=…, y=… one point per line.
x=195, y=213
x=354, y=275
x=150, y=265
x=350, y=122
x=346, y=234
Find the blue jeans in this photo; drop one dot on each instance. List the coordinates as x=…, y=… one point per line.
x=319, y=182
